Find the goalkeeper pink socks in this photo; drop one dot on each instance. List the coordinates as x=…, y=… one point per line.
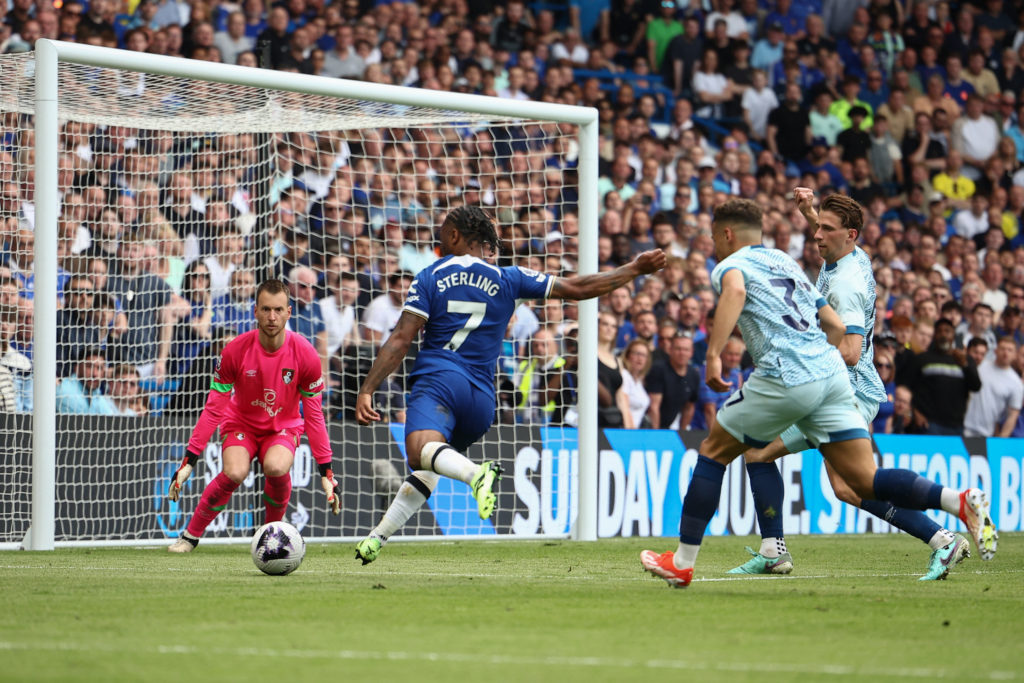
x=214, y=499
x=276, y=492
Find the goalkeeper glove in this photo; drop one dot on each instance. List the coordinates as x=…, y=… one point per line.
x=331, y=487
x=181, y=476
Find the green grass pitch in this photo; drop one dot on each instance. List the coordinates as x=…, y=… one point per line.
x=510, y=611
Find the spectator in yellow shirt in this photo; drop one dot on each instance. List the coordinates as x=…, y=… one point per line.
x=957, y=188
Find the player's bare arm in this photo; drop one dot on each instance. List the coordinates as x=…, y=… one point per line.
x=832, y=325
x=727, y=313
x=388, y=359
x=599, y=284
x=850, y=348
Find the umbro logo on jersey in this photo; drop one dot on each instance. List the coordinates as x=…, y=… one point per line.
x=250, y=373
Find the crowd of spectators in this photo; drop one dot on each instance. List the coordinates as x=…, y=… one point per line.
x=914, y=109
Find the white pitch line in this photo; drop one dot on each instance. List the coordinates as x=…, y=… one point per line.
x=568, y=662
x=631, y=577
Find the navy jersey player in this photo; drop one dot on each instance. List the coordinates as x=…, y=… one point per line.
x=463, y=305
x=799, y=380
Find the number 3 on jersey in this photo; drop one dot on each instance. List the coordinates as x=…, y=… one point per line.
x=476, y=310
x=796, y=321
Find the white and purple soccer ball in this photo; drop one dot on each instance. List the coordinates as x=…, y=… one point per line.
x=277, y=548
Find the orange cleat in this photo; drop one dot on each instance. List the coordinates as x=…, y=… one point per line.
x=664, y=566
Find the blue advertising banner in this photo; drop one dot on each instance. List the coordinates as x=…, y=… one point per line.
x=643, y=476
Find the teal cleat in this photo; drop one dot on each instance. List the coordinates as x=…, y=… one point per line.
x=947, y=557
x=759, y=564
x=368, y=549
x=483, y=485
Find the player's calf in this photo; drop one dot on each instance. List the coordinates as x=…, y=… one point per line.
x=854, y=461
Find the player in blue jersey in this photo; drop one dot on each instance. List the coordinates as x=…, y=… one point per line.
x=463, y=305
x=847, y=282
x=800, y=379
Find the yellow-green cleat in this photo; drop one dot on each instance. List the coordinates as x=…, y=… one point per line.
x=368, y=549
x=483, y=485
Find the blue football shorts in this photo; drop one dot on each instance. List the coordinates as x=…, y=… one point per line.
x=449, y=403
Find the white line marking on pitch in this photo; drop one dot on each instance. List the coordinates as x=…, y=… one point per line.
x=632, y=577
x=517, y=660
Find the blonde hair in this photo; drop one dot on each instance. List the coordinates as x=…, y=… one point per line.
x=629, y=349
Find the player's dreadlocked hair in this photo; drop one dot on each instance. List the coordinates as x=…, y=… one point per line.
x=851, y=216
x=476, y=226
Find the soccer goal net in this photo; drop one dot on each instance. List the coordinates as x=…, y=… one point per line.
x=144, y=198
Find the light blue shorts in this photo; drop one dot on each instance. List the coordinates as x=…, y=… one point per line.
x=821, y=411
x=796, y=442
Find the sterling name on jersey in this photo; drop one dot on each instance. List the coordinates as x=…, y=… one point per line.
x=848, y=286
x=779, y=321
x=467, y=304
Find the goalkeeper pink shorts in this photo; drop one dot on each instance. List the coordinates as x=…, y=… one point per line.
x=258, y=443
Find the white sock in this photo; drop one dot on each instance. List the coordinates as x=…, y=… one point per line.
x=941, y=539
x=407, y=501
x=685, y=555
x=453, y=465
x=950, y=501
x=773, y=547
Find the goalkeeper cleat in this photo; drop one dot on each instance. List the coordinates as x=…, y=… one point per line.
x=974, y=513
x=759, y=564
x=945, y=558
x=184, y=544
x=483, y=485
x=368, y=549
x=664, y=566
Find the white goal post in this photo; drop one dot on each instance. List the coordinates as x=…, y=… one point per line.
x=406, y=106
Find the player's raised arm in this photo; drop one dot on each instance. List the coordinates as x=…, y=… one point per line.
x=599, y=284
x=804, y=198
x=388, y=359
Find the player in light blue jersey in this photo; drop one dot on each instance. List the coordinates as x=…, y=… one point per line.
x=463, y=305
x=847, y=282
x=800, y=379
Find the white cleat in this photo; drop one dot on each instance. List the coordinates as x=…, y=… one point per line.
x=184, y=544
x=974, y=513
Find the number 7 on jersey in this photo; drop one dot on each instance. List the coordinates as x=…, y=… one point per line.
x=476, y=310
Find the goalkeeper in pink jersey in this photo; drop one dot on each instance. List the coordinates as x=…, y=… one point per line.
x=254, y=398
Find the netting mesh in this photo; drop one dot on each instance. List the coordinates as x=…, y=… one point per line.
x=177, y=197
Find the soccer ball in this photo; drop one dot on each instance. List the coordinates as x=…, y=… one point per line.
x=277, y=548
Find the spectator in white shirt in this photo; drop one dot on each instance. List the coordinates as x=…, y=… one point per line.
x=972, y=221
x=758, y=101
x=976, y=136
x=636, y=361
x=994, y=408
x=514, y=91
x=570, y=48
x=339, y=313
x=342, y=61
x=233, y=41
x=229, y=255
x=382, y=314
x=994, y=296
